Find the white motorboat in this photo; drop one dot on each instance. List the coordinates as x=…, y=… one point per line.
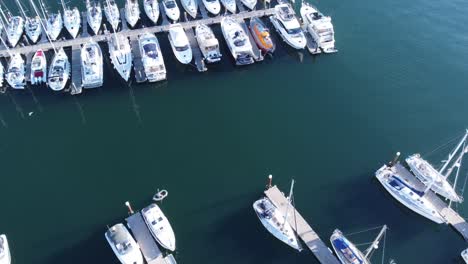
x=71, y=20
x=250, y=4
x=152, y=10
x=180, y=43
x=59, y=71
x=348, y=253
x=213, y=6
x=159, y=226
x=237, y=41
x=319, y=27
x=91, y=65
x=123, y=245
x=132, y=12
x=171, y=9
x=191, y=6
x=437, y=180
x=15, y=72
x=121, y=55
x=464, y=255
x=14, y=29
x=54, y=25
x=111, y=10
x=5, y=257
x=94, y=15
x=230, y=5
x=288, y=27
x=33, y=28
x=208, y=43
x=38, y=68
x=276, y=222
x=407, y=194
x=152, y=58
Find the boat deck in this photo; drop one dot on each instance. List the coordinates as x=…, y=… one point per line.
x=311, y=44
x=257, y=52
x=304, y=230
x=452, y=217
x=140, y=75
x=145, y=240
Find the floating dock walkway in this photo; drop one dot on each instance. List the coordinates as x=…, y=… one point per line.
x=452, y=217
x=304, y=231
x=145, y=240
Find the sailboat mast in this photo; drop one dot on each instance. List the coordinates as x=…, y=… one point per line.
x=452, y=154
x=375, y=244
x=289, y=203
x=63, y=5
x=21, y=9
x=3, y=17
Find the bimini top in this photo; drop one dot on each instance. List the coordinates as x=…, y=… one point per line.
x=118, y=235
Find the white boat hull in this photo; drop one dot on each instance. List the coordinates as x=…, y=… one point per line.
x=297, y=43
x=133, y=256
x=91, y=66
x=132, y=13
x=72, y=21
x=94, y=17
x=5, y=257
x=213, y=6
x=38, y=68
x=16, y=71
x=54, y=27
x=159, y=226
x=250, y=4
x=33, y=29
x=152, y=10
x=191, y=6
x=58, y=80
x=230, y=5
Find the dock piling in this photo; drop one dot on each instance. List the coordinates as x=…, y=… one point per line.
x=130, y=210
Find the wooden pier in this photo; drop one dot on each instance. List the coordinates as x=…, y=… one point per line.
x=140, y=75
x=145, y=240
x=27, y=74
x=304, y=231
x=84, y=25
x=452, y=217
x=197, y=55
x=76, y=79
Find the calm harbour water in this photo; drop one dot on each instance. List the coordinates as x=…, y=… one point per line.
x=398, y=83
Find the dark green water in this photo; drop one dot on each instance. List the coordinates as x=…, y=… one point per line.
x=399, y=83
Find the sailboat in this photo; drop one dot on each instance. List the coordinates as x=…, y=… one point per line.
x=121, y=55
x=14, y=27
x=275, y=221
x=32, y=25
x=132, y=12
x=5, y=257
x=152, y=10
x=112, y=14
x=71, y=19
x=54, y=23
x=16, y=71
x=2, y=72
x=59, y=71
x=191, y=6
x=437, y=180
x=348, y=253
x=94, y=15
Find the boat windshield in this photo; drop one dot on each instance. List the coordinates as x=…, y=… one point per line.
x=151, y=50
x=285, y=13
x=210, y=1
x=293, y=31
x=170, y=4
x=211, y=48
x=183, y=48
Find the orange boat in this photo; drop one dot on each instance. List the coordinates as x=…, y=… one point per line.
x=261, y=35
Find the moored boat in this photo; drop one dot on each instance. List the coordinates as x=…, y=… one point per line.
x=250, y=4
x=124, y=246
x=288, y=26
x=132, y=12
x=407, y=194
x=237, y=40
x=38, y=68
x=94, y=15
x=54, y=25
x=159, y=226
x=15, y=72
x=261, y=35
x=180, y=44
x=171, y=9
x=152, y=10
x=464, y=255
x=5, y=257
x=121, y=55
x=208, y=43
x=191, y=6
x=14, y=30
x=33, y=28
x=59, y=71
x=319, y=27
x=230, y=5
x=213, y=6
x=152, y=58
x=111, y=10
x=71, y=20
x=91, y=65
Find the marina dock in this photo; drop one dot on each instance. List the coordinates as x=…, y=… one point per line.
x=129, y=33
x=140, y=75
x=302, y=228
x=145, y=240
x=452, y=217
x=76, y=79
